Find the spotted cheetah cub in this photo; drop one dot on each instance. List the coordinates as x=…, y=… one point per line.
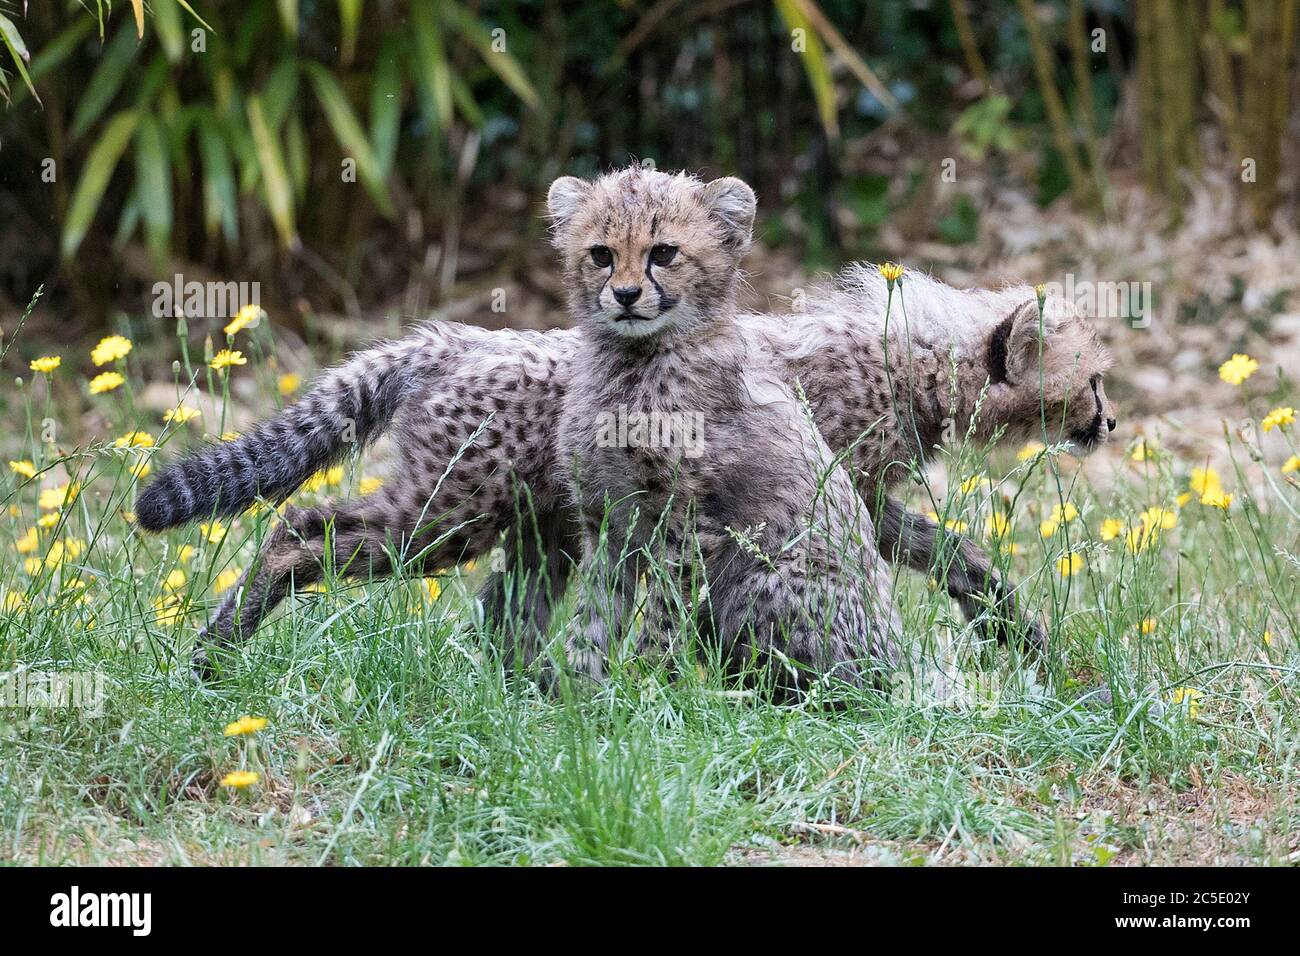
x=784, y=545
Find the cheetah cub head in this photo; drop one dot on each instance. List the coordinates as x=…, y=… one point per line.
x=649, y=254
x=1049, y=372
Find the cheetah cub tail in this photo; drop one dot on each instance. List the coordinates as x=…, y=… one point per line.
x=349, y=406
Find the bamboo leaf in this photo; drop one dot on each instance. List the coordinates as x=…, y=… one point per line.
x=349, y=23
x=431, y=56
x=167, y=20
x=465, y=102
x=499, y=61
x=130, y=218
x=295, y=148
x=288, y=17
x=280, y=92
x=275, y=181
x=190, y=10
x=153, y=180
x=100, y=164
x=385, y=109
x=57, y=50
x=348, y=131
x=219, y=209
x=104, y=82
x=139, y=18
x=18, y=50
x=813, y=57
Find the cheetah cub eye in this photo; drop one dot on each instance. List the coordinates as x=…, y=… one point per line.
x=602, y=257
x=662, y=254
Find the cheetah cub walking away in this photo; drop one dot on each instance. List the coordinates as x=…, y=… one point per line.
x=784, y=545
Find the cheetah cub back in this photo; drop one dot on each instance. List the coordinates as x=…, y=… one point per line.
x=688, y=451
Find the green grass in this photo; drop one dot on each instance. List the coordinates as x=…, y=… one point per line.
x=396, y=736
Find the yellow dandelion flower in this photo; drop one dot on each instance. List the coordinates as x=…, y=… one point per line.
x=1278, y=418
x=1237, y=369
x=186, y=552
x=1204, y=481
x=432, y=589
x=1069, y=565
x=212, y=531
x=470, y=565
x=169, y=609
x=128, y=517
x=110, y=349
x=33, y=566
x=998, y=525
x=1288, y=466
x=46, y=522
x=1187, y=698
x=28, y=542
x=226, y=580
x=247, y=317
x=1142, y=452
x=226, y=358
x=891, y=271
x=239, y=779
x=1147, y=626
x=335, y=475
x=13, y=601
x=368, y=486
x=229, y=436
x=51, y=499
x=955, y=526
x=180, y=414
x=245, y=725
x=23, y=467
x=1161, y=518
x=1138, y=539
x=313, y=484
x=1048, y=528
x=289, y=383
x=1268, y=638
x=134, y=440
x=974, y=483
x=105, y=382
x=1111, y=529
x=1183, y=498
x=140, y=470
x=67, y=550
x=1029, y=450
x=46, y=363
x=175, y=580
x=1218, y=500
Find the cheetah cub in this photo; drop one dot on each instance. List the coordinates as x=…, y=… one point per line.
x=751, y=504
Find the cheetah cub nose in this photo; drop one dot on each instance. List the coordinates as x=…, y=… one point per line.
x=628, y=295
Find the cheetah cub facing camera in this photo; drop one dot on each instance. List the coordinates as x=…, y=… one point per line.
x=754, y=506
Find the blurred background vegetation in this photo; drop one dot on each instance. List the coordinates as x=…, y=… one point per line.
x=217, y=138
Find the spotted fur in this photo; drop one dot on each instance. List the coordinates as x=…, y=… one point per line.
x=474, y=416
x=764, y=518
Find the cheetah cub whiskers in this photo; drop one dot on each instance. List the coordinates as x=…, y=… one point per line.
x=787, y=548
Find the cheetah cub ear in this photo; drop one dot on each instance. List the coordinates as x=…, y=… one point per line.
x=731, y=202
x=565, y=197
x=1020, y=339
